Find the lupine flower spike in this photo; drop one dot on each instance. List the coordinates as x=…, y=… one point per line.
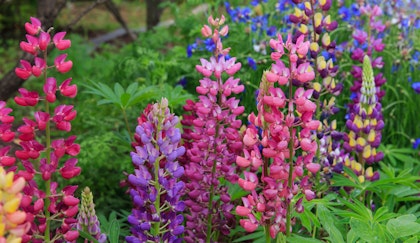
x=43, y=200
x=280, y=140
x=212, y=142
x=87, y=220
x=13, y=224
x=365, y=125
x=156, y=188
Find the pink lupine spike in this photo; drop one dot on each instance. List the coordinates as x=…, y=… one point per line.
x=61, y=65
x=33, y=27
x=59, y=43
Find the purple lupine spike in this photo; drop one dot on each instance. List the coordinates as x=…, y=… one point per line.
x=156, y=188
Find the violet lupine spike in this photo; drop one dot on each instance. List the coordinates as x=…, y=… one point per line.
x=87, y=220
x=156, y=188
x=42, y=198
x=212, y=140
x=282, y=129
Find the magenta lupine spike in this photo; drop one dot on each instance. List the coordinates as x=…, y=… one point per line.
x=212, y=140
x=156, y=187
x=280, y=140
x=43, y=200
x=87, y=220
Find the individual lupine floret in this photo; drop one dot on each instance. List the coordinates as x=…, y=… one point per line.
x=13, y=223
x=156, y=188
x=87, y=220
x=42, y=206
x=281, y=140
x=212, y=140
x=365, y=123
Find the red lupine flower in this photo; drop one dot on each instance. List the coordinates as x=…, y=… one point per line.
x=39, y=66
x=26, y=71
x=43, y=40
x=31, y=46
x=33, y=27
x=50, y=88
x=61, y=65
x=4, y=113
x=6, y=160
x=29, y=98
x=68, y=90
x=59, y=42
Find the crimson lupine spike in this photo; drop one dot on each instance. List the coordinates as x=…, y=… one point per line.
x=212, y=139
x=280, y=140
x=156, y=187
x=40, y=156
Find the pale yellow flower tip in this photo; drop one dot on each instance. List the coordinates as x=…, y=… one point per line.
x=12, y=205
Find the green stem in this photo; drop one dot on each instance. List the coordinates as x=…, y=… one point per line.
x=126, y=124
x=213, y=172
x=156, y=225
x=48, y=157
x=210, y=203
x=267, y=234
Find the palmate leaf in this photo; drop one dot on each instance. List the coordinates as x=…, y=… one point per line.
x=327, y=220
x=119, y=97
x=403, y=226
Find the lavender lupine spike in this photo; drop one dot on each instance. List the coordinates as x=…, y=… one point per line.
x=212, y=141
x=284, y=147
x=41, y=156
x=155, y=184
x=87, y=220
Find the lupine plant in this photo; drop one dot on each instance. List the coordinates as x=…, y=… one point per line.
x=156, y=188
x=212, y=141
x=280, y=139
x=366, y=97
x=50, y=209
